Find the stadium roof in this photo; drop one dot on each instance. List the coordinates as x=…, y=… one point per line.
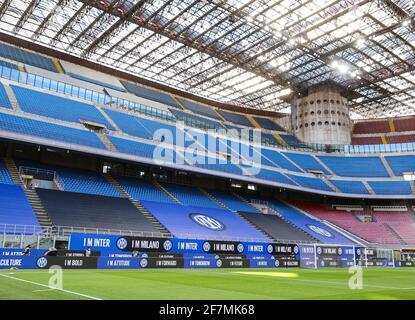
x=254, y=53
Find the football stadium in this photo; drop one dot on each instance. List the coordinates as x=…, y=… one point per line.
x=207, y=150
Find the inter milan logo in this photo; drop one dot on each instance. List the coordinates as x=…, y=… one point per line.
x=167, y=245
x=320, y=231
x=122, y=243
x=240, y=248
x=207, y=222
x=143, y=263
x=42, y=262
x=206, y=246
x=219, y=263
x=296, y=249
x=339, y=251
x=277, y=263
x=319, y=250
x=270, y=248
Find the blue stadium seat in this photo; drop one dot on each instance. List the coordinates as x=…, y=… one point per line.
x=192, y=120
x=16, y=210
x=391, y=187
x=279, y=160
x=356, y=187
x=210, y=163
x=49, y=130
x=311, y=226
x=190, y=196
x=355, y=166
x=291, y=140
x=8, y=65
x=138, y=127
x=82, y=181
x=235, y=118
x=95, y=81
x=76, y=180
x=178, y=220
x=305, y=161
x=27, y=57
x=4, y=99
x=150, y=94
x=93, y=211
x=5, y=177
x=48, y=105
x=273, y=176
x=312, y=183
x=232, y=202
x=268, y=124
x=402, y=163
x=143, y=190
x=199, y=109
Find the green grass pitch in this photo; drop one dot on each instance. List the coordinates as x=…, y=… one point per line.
x=208, y=284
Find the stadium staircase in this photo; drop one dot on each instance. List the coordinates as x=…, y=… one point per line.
x=274, y=212
x=167, y=193
x=106, y=116
x=31, y=195
x=108, y=144
x=124, y=194
x=211, y=197
x=394, y=233
x=246, y=201
x=12, y=98
x=214, y=199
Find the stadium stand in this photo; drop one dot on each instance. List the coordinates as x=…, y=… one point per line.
x=311, y=226
x=150, y=94
x=291, y=140
x=232, y=202
x=140, y=190
x=8, y=65
x=76, y=180
x=48, y=130
x=312, y=183
x=198, y=108
x=235, y=118
x=133, y=147
x=86, y=182
x=274, y=177
x=27, y=57
x=279, y=160
x=355, y=166
x=16, y=210
x=138, y=127
x=305, y=161
x=401, y=164
x=268, y=124
x=181, y=221
x=371, y=231
x=385, y=131
x=4, y=100
x=190, y=196
x=94, y=81
x=5, y=177
x=402, y=138
x=367, y=140
x=192, y=120
x=48, y=105
x=376, y=126
x=404, y=124
x=93, y=211
x=356, y=187
x=391, y=187
x=277, y=228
